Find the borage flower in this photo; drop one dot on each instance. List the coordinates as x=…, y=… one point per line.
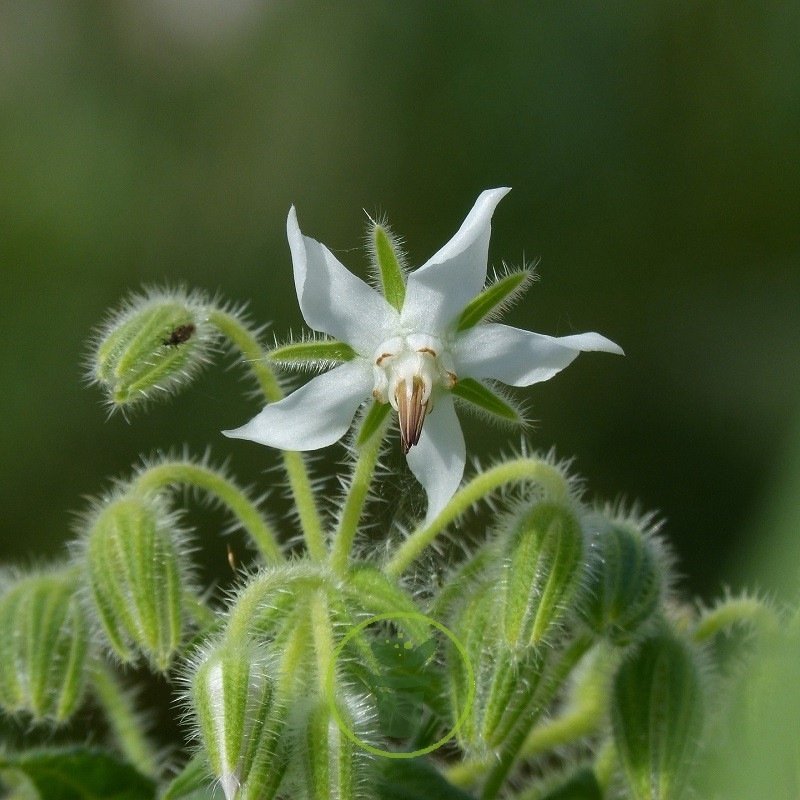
x=422, y=341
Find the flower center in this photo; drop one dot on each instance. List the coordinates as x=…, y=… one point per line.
x=406, y=371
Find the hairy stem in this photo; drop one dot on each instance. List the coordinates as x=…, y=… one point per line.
x=256, y=360
x=735, y=611
x=180, y=472
x=122, y=718
x=522, y=470
x=357, y=492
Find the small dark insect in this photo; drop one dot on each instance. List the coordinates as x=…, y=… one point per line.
x=180, y=335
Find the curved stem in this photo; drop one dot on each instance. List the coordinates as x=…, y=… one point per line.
x=522, y=470
x=122, y=718
x=180, y=472
x=256, y=360
x=735, y=611
x=357, y=492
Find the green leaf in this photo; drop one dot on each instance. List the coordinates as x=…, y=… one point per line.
x=482, y=396
x=80, y=774
x=415, y=779
x=313, y=350
x=392, y=278
x=372, y=421
x=491, y=297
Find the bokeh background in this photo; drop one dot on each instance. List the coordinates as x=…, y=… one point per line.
x=654, y=153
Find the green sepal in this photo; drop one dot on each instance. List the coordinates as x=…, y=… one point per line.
x=372, y=421
x=44, y=646
x=325, y=350
x=543, y=569
x=392, y=278
x=657, y=717
x=482, y=396
x=79, y=774
x=494, y=295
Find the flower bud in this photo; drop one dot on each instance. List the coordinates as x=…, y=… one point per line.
x=625, y=587
x=333, y=764
x=542, y=572
x=239, y=721
x=43, y=646
x=657, y=717
x=136, y=572
x=155, y=344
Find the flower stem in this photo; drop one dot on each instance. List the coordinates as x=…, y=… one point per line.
x=122, y=718
x=735, y=611
x=363, y=472
x=522, y=470
x=256, y=360
x=171, y=473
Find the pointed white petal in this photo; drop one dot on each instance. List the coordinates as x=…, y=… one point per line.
x=314, y=416
x=438, y=460
x=518, y=357
x=438, y=291
x=332, y=299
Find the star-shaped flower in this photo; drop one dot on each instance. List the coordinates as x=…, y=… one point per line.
x=416, y=345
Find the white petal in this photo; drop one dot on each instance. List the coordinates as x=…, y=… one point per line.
x=438, y=460
x=314, y=416
x=332, y=299
x=438, y=291
x=518, y=357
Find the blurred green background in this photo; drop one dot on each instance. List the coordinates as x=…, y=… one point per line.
x=654, y=152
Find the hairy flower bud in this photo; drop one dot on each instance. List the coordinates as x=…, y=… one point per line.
x=542, y=572
x=657, y=717
x=240, y=723
x=333, y=764
x=154, y=344
x=43, y=646
x=626, y=585
x=136, y=572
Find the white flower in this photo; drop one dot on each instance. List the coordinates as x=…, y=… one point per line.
x=414, y=358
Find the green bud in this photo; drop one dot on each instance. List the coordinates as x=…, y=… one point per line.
x=43, y=646
x=155, y=344
x=239, y=721
x=625, y=588
x=657, y=717
x=333, y=765
x=542, y=572
x=136, y=570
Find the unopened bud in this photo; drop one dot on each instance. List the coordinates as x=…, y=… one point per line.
x=239, y=721
x=657, y=717
x=153, y=345
x=43, y=646
x=542, y=573
x=625, y=586
x=136, y=572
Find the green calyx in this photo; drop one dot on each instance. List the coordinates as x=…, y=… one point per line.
x=156, y=343
x=312, y=351
x=657, y=717
x=625, y=585
x=388, y=262
x=481, y=396
x=493, y=298
x=542, y=573
x=136, y=575
x=43, y=647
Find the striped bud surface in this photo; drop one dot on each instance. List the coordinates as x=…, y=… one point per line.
x=657, y=717
x=625, y=587
x=43, y=647
x=136, y=575
x=542, y=572
x=155, y=343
